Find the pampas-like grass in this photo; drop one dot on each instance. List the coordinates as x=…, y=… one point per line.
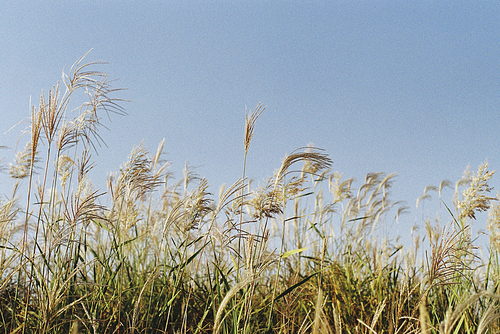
x=307, y=251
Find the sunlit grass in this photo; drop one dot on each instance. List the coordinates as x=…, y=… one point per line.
x=304, y=253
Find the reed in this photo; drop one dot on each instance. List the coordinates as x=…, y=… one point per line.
x=306, y=252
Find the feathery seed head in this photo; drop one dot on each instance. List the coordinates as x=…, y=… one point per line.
x=493, y=223
x=51, y=114
x=67, y=136
x=65, y=166
x=250, y=125
x=426, y=195
x=198, y=205
x=444, y=184
x=137, y=176
x=266, y=203
x=474, y=198
x=36, y=126
x=312, y=156
x=22, y=163
x=341, y=190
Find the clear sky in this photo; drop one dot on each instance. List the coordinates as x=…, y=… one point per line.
x=411, y=87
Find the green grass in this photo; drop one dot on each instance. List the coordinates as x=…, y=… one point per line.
x=305, y=253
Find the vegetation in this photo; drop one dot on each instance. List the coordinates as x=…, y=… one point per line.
x=306, y=253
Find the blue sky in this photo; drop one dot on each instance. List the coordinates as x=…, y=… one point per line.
x=409, y=87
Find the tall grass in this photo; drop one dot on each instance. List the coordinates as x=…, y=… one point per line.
x=306, y=252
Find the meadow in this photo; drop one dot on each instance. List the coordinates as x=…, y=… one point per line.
x=307, y=252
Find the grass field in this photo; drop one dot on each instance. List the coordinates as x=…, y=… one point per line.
x=306, y=253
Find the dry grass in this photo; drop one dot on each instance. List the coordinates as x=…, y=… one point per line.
x=307, y=252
